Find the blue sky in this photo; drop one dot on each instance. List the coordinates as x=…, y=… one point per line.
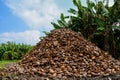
x=23, y=21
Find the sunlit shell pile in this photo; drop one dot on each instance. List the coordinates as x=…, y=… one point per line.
x=65, y=53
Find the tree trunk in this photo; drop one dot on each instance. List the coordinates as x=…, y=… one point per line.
x=109, y=42
x=106, y=40
x=112, y=45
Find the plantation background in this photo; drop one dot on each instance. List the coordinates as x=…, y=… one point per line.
x=13, y=51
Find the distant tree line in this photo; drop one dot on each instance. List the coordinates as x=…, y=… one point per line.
x=13, y=51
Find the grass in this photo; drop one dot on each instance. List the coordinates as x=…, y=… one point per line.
x=3, y=63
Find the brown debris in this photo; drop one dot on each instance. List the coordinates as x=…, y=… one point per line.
x=66, y=53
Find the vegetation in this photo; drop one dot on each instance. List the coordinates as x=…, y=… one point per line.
x=98, y=22
x=13, y=51
x=46, y=33
x=3, y=63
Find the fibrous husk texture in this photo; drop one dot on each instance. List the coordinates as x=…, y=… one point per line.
x=66, y=53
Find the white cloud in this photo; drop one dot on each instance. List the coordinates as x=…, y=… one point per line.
x=111, y=2
x=28, y=37
x=35, y=13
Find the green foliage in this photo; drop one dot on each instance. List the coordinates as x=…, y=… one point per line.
x=13, y=51
x=117, y=39
x=61, y=23
x=3, y=63
x=42, y=37
x=96, y=22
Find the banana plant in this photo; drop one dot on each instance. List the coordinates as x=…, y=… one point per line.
x=13, y=51
x=96, y=22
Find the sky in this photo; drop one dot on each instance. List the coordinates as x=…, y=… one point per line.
x=23, y=21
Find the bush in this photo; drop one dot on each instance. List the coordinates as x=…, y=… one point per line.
x=13, y=51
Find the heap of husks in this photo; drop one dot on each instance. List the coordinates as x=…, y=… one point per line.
x=64, y=54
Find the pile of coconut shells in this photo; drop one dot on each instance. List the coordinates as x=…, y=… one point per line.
x=64, y=55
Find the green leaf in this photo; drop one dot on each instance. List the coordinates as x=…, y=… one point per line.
x=72, y=11
x=105, y=12
x=62, y=23
x=46, y=33
x=101, y=24
x=66, y=17
x=62, y=17
x=100, y=4
x=79, y=4
x=98, y=33
x=75, y=2
x=90, y=6
x=56, y=26
x=116, y=27
x=101, y=28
